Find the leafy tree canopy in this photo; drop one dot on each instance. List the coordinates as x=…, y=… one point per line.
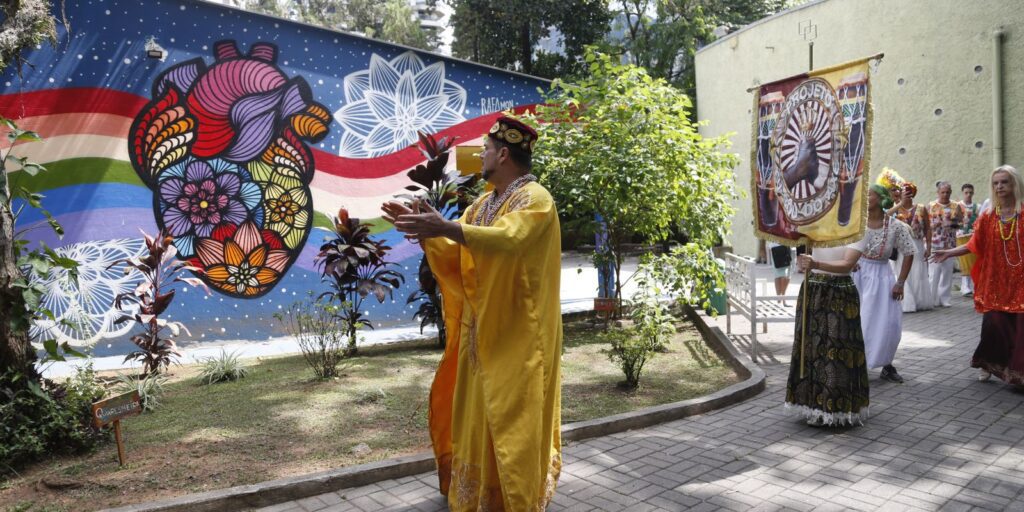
x=505, y=34
x=620, y=143
x=664, y=35
x=24, y=24
x=393, y=21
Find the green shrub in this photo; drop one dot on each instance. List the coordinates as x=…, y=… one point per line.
x=83, y=389
x=150, y=388
x=653, y=324
x=688, y=273
x=225, y=368
x=629, y=353
x=40, y=421
x=315, y=325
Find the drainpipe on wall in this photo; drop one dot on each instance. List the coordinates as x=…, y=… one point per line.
x=997, y=97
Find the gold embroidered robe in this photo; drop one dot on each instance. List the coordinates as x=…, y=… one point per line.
x=495, y=401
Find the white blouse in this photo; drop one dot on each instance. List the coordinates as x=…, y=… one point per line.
x=833, y=254
x=893, y=233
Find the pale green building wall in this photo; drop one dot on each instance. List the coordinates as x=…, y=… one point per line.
x=938, y=55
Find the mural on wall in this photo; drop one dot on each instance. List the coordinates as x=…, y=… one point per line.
x=248, y=135
x=387, y=104
x=223, y=149
x=81, y=307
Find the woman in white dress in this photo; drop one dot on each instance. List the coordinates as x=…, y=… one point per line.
x=919, y=295
x=881, y=293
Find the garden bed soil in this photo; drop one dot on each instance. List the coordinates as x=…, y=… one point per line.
x=279, y=422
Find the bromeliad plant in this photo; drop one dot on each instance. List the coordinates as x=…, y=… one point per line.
x=160, y=269
x=354, y=267
x=449, y=193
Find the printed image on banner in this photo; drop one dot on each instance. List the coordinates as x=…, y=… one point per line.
x=810, y=156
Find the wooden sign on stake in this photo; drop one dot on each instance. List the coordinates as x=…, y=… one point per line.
x=112, y=410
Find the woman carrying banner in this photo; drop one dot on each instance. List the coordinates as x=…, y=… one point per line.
x=998, y=274
x=880, y=294
x=918, y=295
x=828, y=377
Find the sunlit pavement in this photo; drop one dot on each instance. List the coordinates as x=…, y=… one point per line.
x=941, y=441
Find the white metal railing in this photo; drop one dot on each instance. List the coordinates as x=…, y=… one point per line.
x=742, y=294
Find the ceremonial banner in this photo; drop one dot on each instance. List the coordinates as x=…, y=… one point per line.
x=810, y=156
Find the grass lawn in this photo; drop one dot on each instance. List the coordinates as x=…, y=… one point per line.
x=280, y=422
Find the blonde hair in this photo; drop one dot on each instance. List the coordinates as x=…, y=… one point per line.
x=1017, y=186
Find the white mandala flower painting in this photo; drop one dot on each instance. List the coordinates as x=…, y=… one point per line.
x=84, y=312
x=386, y=105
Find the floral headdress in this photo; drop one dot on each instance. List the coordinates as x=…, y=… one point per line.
x=890, y=179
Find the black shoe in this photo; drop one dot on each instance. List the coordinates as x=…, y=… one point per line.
x=890, y=374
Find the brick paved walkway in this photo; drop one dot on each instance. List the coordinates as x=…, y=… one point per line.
x=941, y=441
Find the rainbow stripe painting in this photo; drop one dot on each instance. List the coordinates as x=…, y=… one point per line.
x=241, y=142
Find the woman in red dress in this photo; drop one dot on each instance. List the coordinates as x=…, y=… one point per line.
x=998, y=274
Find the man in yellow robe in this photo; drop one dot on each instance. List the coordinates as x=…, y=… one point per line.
x=495, y=404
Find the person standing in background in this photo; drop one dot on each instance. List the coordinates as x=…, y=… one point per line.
x=971, y=212
x=918, y=295
x=946, y=217
x=781, y=259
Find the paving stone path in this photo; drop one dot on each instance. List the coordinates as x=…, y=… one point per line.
x=941, y=441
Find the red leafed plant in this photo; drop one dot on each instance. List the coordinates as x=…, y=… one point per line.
x=354, y=266
x=450, y=193
x=160, y=268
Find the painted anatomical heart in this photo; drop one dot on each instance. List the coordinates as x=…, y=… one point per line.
x=224, y=149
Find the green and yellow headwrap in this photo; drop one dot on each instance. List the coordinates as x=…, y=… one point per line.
x=885, y=199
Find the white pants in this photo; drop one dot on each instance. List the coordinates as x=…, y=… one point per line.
x=941, y=277
x=966, y=285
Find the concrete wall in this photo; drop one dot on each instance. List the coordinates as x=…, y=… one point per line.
x=337, y=112
x=933, y=114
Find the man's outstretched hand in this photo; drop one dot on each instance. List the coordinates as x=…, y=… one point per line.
x=393, y=210
x=421, y=221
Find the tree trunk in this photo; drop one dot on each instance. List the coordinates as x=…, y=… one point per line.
x=525, y=48
x=15, y=350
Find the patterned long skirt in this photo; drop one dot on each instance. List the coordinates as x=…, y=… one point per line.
x=828, y=375
x=1001, y=349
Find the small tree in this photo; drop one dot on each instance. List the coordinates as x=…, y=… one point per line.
x=160, y=269
x=689, y=273
x=653, y=324
x=449, y=193
x=354, y=266
x=314, y=323
x=620, y=144
x=25, y=24
x=20, y=294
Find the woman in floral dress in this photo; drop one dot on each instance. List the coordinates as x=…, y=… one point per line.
x=918, y=294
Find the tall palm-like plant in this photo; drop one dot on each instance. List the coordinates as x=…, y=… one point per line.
x=353, y=264
x=449, y=193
